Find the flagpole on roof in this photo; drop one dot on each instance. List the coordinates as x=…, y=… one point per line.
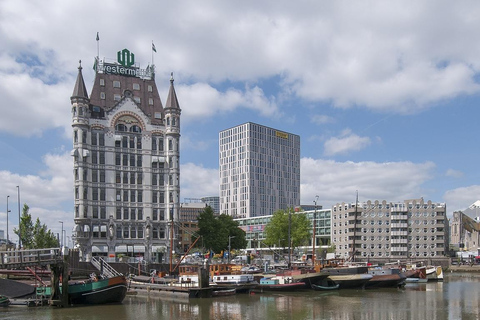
x=97, y=60
x=153, y=50
x=98, y=46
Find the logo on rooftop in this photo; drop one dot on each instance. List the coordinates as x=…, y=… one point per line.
x=124, y=66
x=126, y=58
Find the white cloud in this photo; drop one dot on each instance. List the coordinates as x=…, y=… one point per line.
x=46, y=194
x=197, y=181
x=454, y=173
x=395, y=58
x=321, y=119
x=201, y=101
x=339, y=181
x=346, y=143
x=461, y=198
x=30, y=106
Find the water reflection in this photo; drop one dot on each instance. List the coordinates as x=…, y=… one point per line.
x=456, y=298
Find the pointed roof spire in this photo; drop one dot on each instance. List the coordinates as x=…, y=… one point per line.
x=80, y=91
x=172, y=101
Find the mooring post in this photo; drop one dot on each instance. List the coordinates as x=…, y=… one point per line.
x=65, y=274
x=203, y=275
x=55, y=286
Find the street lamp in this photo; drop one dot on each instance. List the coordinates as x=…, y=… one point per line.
x=61, y=235
x=7, y=218
x=229, y=247
x=19, y=220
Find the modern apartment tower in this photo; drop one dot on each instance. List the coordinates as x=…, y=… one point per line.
x=259, y=170
x=126, y=162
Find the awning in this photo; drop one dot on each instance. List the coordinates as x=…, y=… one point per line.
x=138, y=248
x=95, y=228
x=121, y=249
x=103, y=228
x=100, y=249
x=86, y=228
x=129, y=249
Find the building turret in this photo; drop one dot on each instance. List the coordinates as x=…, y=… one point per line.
x=172, y=132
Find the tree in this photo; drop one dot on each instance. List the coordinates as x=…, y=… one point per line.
x=43, y=237
x=277, y=229
x=34, y=236
x=217, y=230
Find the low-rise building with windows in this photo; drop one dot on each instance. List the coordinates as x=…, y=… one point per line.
x=374, y=229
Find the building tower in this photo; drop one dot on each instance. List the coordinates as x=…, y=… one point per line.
x=259, y=170
x=126, y=162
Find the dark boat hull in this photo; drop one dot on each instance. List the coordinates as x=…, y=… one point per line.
x=111, y=290
x=385, y=281
x=280, y=287
x=317, y=287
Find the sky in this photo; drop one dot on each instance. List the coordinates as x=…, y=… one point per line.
x=383, y=94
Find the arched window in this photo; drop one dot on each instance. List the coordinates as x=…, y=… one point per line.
x=135, y=129
x=121, y=127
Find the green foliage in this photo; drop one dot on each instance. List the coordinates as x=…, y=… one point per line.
x=43, y=237
x=217, y=230
x=277, y=229
x=34, y=236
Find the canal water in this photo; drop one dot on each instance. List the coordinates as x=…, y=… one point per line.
x=458, y=297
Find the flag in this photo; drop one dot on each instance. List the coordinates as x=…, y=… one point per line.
x=98, y=38
x=95, y=65
x=153, y=47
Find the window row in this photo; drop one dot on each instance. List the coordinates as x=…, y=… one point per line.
x=97, y=138
x=80, y=136
x=126, y=177
x=129, y=195
x=159, y=197
x=137, y=232
x=128, y=160
x=132, y=142
x=118, y=97
x=135, y=214
x=116, y=84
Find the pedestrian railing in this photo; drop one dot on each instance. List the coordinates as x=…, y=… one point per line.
x=24, y=258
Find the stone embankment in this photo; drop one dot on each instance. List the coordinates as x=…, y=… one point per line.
x=464, y=268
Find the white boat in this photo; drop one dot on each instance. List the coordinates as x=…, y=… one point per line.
x=233, y=279
x=434, y=273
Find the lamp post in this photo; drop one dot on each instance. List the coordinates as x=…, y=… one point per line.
x=7, y=218
x=61, y=235
x=229, y=247
x=314, y=227
x=19, y=220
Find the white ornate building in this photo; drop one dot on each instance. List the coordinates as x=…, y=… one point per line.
x=126, y=162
